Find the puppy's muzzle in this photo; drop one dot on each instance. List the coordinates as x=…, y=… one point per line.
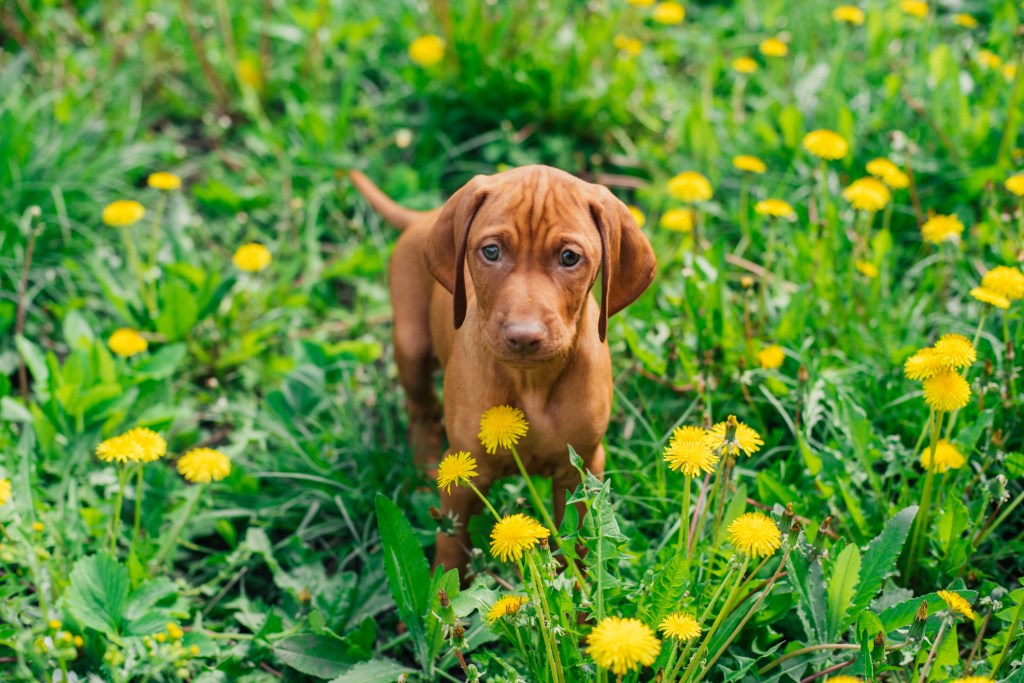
x=524, y=338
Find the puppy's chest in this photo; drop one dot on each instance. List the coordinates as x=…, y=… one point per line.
x=553, y=428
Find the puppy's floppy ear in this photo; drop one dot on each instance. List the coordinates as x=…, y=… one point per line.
x=627, y=259
x=445, y=251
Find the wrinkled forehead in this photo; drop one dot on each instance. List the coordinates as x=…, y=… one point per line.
x=539, y=201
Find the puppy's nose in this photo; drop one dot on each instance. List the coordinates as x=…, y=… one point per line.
x=525, y=337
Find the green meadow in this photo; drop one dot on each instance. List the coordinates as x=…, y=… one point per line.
x=814, y=462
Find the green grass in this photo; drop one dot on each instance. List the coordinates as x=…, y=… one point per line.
x=281, y=570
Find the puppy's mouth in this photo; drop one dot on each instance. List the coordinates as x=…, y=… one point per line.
x=524, y=361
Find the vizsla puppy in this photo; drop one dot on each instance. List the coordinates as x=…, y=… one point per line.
x=496, y=284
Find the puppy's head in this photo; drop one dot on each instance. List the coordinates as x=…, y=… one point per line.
x=534, y=240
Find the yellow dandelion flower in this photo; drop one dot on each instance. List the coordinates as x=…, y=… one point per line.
x=867, y=269
x=947, y=391
x=126, y=342
x=867, y=194
x=938, y=229
x=848, y=14
x=121, y=449
x=776, y=208
x=426, y=51
x=891, y=174
x=1006, y=281
x=755, y=534
x=456, y=468
x=744, y=65
x=989, y=59
x=249, y=73
x=973, y=679
x=640, y=3
x=956, y=350
x=515, y=534
x=123, y=212
x=203, y=465
x=164, y=181
x=174, y=631
x=1015, y=184
x=947, y=457
x=1009, y=71
x=38, y=527
x=771, y=357
x=965, y=20
x=843, y=679
x=668, y=13
x=677, y=220
x=505, y=607
x=826, y=144
x=638, y=215
x=957, y=603
x=773, y=47
x=690, y=186
x=502, y=427
x=749, y=163
x=623, y=645
x=915, y=8
x=680, y=626
x=5, y=492
x=630, y=46
x=733, y=436
x=252, y=257
x=54, y=624
x=79, y=641
x=924, y=364
x=150, y=444
x=193, y=650
x=991, y=297
x=689, y=452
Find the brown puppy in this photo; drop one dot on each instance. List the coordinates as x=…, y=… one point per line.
x=497, y=285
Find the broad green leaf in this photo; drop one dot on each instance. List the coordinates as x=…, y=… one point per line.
x=97, y=593
x=408, y=572
x=178, y=311
x=34, y=361
x=809, y=587
x=373, y=671
x=449, y=583
x=880, y=559
x=845, y=572
x=668, y=589
x=320, y=656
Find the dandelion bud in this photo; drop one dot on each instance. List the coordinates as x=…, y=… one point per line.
x=878, y=653
x=801, y=375
x=472, y=674
x=794, y=532
x=788, y=513
x=435, y=513
x=917, y=628
x=819, y=540
x=660, y=676
x=442, y=597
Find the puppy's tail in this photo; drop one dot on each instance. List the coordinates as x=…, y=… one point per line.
x=389, y=209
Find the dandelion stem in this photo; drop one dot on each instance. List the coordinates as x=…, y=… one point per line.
x=934, y=651
x=122, y=477
x=921, y=526
x=484, y=499
x=137, y=524
x=1009, y=640
x=171, y=539
x=546, y=631
x=684, y=519
x=764, y=594
x=549, y=522
x=695, y=660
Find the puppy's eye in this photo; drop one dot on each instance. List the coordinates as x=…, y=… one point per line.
x=491, y=252
x=569, y=258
